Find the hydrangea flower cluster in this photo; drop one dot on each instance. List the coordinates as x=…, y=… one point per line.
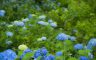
x=22, y=47
x=40, y=52
x=91, y=43
x=83, y=58
x=18, y=23
x=59, y=53
x=25, y=20
x=10, y=34
x=43, y=23
x=78, y=46
x=2, y=13
x=42, y=17
x=62, y=37
x=8, y=55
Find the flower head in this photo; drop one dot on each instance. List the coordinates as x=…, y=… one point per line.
x=2, y=13
x=9, y=33
x=42, y=23
x=53, y=24
x=37, y=54
x=22, y=47
x=72, y=38
x=83, y=58
x=50, y=57
x=43, y=38
x=30, y=16
x=8, y=55
x=42, y=17
x=18, y=23
x=25, y=20
x=59, y=53
x=40, y=52
x=50, y=21
x=78, y=46
x=62, y=37
x=44, y=51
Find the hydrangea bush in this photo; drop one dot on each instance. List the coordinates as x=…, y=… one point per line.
x=47, y=30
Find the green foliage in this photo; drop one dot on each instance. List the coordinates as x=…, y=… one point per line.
x=83, y=52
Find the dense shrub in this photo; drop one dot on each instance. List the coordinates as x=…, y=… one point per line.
x=43, y=23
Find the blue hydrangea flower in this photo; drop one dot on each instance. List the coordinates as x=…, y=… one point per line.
x=90, y=55
x=59, y=53
x=83, y=58
x=44, y=51
x=91, y=43
x=62, y=37
x=50, y=21
x=43, y=38
x=78, y=46
x=50, y=57
x=2, y=56
x=72, y=38
x=2, y=13
x=42, y=17
x=18, y=23
x=37, y=54
x=30, y=16
x=53, y=24
x=40, y=52
x=25, y=20
x=42, y=23
x=9, y=33
x=24, y=53
x=8, y=55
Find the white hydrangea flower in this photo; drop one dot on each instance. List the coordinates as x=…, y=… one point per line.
x=22, y=47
